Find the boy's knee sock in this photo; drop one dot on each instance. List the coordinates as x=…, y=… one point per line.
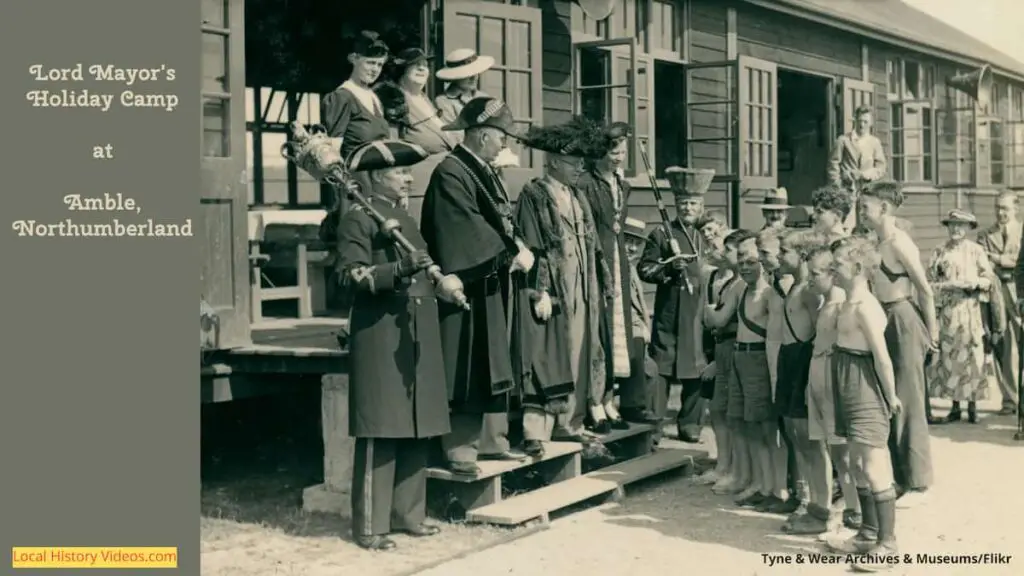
x=868, y=514
x=885, y=504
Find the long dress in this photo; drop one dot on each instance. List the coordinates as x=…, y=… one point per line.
x=963, y=371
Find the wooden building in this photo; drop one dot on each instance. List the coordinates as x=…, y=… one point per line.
x=758, y=90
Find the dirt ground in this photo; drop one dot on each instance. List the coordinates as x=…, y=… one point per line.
x=252, y=522
x=976, y=507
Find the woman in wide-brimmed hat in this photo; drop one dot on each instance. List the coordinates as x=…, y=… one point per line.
x=461, y=71
x=408, y=109
x=961, y=276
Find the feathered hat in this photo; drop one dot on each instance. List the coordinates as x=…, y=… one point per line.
x=579, y=137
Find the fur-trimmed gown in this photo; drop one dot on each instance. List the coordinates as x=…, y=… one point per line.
x=562, y=362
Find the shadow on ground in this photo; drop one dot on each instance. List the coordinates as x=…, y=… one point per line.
x=991, y=428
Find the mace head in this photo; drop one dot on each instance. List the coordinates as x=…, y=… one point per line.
x=312, y=150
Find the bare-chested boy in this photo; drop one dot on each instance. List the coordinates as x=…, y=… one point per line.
x=912, y=334
x=719, y=277
x=726, y=404
x=800, y=313
x=751, y=377
x=866, y=400
x=768, y=246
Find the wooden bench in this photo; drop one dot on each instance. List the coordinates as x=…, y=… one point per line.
x=561, y=461
x=538, y=504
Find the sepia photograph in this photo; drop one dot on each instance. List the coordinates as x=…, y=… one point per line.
x=609, y=286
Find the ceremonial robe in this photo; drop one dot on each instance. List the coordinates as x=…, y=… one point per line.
x=609, y=222
x=545, y=355
x=466, y=222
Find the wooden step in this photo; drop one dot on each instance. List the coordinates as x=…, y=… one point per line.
x=491, y=468
x=633, y=430
x=539, y=503
x=561, y=461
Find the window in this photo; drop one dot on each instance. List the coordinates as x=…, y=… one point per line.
x=272, y=179
x=1014, y=138
x=955, y=139
x=911, y=132
x=216, y=89
x=909, y=80
x=647, y=34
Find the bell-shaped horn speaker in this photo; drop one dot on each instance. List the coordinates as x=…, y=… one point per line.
x=976, y=84
x=597, y=9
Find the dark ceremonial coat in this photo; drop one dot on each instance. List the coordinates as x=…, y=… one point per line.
x=466, y=221
x=396, y=374
x=599, y=194
x=676, y=332
x=544, y=356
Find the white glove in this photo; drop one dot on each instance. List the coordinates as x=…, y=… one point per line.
x=523, y=261
x=542, y=307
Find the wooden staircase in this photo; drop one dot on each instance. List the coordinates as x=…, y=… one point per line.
x=560, y=469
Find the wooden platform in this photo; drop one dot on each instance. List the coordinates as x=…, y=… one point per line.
x=561, y=461
x=538, y=504
x=560, y=470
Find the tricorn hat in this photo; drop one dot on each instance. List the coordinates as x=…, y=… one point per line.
x=956, y=216
x=381, y=154
x=580, y=137
x=463, y=63
x=776, y=199
x=634, y=227
x=689, y=182
x=484, y=111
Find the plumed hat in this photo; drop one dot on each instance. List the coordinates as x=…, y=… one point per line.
x=484, y=111
x=580, y=137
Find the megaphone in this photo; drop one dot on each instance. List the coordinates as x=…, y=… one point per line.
x=976, y=84
x=597, y=9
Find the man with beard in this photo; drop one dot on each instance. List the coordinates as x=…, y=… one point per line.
x=559, y=305
x=677, y=335
x=775, y=208
x=604, y=187
x=1002, y=242
x=467, y=224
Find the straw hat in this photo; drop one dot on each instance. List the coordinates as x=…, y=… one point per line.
x=463, y=63
x=777, y=199
x=635, y=227
x=956, y=216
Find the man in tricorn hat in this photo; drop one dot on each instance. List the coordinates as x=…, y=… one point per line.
x=397, y=400
x=775, y=208
x=467, y=224
x=677, y=336
x=560, y=303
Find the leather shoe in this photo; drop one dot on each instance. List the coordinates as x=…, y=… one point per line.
x=619, y=424
x=464, y=468
x=639, y=415
x=533, y=448
x=421, y=531
x=507, y=455
x=375, y=543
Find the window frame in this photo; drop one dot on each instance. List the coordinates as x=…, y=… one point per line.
x=1014, y=141
x=261, y=125
x=900, y=98
x=927, y=137
x=637, y=18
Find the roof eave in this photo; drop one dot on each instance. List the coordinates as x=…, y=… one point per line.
x=882, y=36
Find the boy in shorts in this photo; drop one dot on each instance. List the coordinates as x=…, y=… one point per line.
x=720, y=319
x=866, y=400
x=750, y=375
x=768, y=246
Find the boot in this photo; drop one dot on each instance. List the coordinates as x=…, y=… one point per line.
x=954, y=413
x=867, y=537
x=972, y=412
x=815, y=521
x=885, y=503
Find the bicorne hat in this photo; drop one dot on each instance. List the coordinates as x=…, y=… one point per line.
x=381, y=154
x=484, y=111
x=580, y=138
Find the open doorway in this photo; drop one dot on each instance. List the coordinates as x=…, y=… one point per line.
x=805, y=133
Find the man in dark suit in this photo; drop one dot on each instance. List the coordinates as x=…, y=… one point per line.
x=467, y=224
x=397, y=398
